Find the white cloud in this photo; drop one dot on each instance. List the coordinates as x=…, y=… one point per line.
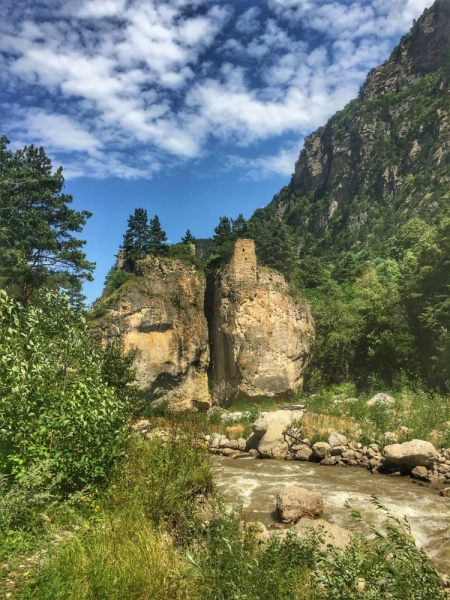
x=106, y=81
x=249, y=21
x=281, y=163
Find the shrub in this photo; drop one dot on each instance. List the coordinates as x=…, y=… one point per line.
x=55, y=403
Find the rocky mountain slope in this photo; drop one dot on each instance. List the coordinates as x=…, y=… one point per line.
x=159, y=315
x=260, y=337
x=383, y=159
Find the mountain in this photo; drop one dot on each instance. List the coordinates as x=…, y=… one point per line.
x=383, y=159
x=366, y=219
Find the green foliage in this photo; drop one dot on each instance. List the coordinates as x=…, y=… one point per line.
x=22, y=503
x=118, y=372
x=188, y=238
x=158, y=532
x=157, y=237
x=115, y=279
x=137, y=239
x=55, y=401
x=223, y=232
x=363, y=571
x=37, y=247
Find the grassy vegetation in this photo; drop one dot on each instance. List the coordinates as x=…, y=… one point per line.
x=160, y=532
x=416, y=414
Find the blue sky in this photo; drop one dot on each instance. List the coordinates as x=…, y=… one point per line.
x=191, y=109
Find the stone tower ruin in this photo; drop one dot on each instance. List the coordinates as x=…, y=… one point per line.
x=243, y=267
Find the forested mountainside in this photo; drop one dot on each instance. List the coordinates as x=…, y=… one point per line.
x=367, y=210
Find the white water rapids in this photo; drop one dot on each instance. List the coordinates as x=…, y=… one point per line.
x=255, y=483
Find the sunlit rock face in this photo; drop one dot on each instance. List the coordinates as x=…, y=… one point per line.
x=260, y=336
x=161, y=318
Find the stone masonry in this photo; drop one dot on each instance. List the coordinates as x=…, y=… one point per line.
x=243, y=264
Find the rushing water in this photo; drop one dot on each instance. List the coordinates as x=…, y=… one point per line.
x=255, y=484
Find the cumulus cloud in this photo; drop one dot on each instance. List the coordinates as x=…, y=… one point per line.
x=281, y=163
x=125, y=87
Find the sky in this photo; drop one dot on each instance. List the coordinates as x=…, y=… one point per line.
x=191, y=109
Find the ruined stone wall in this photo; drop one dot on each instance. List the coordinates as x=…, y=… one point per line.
x=243, y=264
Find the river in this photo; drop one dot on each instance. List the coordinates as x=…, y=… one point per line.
x=254, y=484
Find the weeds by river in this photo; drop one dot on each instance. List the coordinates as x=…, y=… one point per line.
x=160, y=531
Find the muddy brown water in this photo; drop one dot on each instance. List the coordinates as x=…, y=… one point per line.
x=255, y=483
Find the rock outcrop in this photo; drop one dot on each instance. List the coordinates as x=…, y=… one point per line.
x=161, y=318
x=260, y=337
x=295, y=502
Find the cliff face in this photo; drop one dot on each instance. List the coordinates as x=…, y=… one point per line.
x=161, y=317
x=386, y=157
x=260, y=337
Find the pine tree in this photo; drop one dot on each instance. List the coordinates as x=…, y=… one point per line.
x=239, y=227
x=157, y=237
x=37, y=248
x=137, y=239
x=188, y=238
x=223, y=231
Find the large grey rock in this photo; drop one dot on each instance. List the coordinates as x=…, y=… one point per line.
x=273, y=444
x=336, y=439
x=302, y=452
x=295, y=502
x=215, y=440
x=381, y=399
x=271, y=428
x=321, y=450
x=284, y=417
x=414, y=453
x=333, y=534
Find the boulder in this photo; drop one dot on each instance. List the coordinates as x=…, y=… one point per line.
x=321, y=450
x=337, y=439
x=230, y=453
x=413, y=453
x=140, y=425
x=295, y=502
x=381, y=399
x=215, y=440
x=302, y=452
x=333, y=534
x=284, y=417
x=271, y=427
x=242, y=444
x=420, y=473
x=273, y=444
x=233, y=444
x=338, y=450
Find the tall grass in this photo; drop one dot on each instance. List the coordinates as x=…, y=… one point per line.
x=159, y=532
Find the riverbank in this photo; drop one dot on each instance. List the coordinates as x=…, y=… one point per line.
x=161, y=530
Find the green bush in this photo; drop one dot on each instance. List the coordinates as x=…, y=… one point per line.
x=54, y=402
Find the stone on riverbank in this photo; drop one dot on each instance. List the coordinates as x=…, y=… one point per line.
x=302, y=452
x=295, y=502
x=281, y=417
x=337, y=439
x=420, y=473
x=333, y=534
x=273, y=444
x=321, y=450
x=416, y=453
